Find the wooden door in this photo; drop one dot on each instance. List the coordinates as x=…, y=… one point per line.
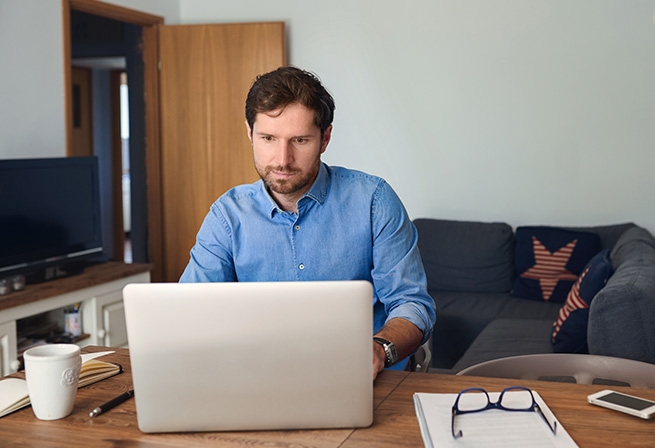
x=205, y=74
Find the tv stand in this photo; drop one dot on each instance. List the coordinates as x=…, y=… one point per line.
x=98, y=289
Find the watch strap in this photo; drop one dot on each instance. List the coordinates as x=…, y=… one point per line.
x=389, y=351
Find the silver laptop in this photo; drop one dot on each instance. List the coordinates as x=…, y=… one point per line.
x=251, y=356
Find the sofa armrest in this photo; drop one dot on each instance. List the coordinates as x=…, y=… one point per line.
x=622, y=315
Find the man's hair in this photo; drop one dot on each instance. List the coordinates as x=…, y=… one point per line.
x=288, y=85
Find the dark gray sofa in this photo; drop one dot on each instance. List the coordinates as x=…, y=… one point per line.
x=470, y=271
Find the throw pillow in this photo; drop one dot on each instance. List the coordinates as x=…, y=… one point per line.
x=570, y=329
x=549, y=260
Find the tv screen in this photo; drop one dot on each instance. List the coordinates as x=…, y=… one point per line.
x=49, y=213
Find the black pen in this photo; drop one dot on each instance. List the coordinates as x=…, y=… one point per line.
x=112, y=403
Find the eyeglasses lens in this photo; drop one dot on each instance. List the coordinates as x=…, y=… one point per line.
x=472, y=401
x=517, y=400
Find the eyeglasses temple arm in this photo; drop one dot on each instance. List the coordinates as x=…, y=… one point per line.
x=452, y=424
x=552, y=427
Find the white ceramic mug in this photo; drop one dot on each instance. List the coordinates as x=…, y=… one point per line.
x=52, y=372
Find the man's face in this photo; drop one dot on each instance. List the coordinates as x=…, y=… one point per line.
x=287, y=148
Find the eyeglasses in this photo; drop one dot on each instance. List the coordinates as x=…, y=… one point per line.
x=476, y=399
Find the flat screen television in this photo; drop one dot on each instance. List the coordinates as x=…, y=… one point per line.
x=50, y=219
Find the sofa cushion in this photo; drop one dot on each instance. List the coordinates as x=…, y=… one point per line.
x=549, y=261
x=508, y=337
x=621, y=316
x=466, y=256
x=462, y=316
x=570, y=328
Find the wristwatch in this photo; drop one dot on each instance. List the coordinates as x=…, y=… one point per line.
x=389, y=350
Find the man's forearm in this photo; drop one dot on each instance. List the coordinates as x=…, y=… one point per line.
x=405, y=336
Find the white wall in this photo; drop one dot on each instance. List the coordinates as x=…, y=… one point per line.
x=31, y=79
x=168, y=9
x=524, y=111
x=32, y=74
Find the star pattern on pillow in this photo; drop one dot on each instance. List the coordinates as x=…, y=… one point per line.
x=550, y=267
x=573, y=302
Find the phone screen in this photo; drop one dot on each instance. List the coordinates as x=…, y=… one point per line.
x=629, y=402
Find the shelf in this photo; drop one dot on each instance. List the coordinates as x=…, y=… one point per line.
x=91, y=276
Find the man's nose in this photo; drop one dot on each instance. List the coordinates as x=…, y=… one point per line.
x=285, y=154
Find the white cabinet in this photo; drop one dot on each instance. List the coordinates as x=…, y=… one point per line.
x=99, y=291
x=103, y=318
x=8, y=361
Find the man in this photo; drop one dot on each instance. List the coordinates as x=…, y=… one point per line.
x=305, y=220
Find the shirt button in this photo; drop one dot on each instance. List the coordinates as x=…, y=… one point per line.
x=301, y=266
x=297, y=227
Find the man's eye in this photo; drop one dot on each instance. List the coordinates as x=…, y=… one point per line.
x=267, y=138
x=301, y=140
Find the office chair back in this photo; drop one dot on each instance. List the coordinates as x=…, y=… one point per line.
x=571, y=368
x=420, y=361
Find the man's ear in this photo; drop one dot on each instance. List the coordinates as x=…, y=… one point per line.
x=249, y=131
x=326, y=138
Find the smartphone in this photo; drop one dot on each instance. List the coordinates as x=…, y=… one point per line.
x=618, y=401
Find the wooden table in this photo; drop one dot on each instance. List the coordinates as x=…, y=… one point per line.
x=395, y=422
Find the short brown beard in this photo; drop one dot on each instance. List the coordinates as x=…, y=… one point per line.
x=285, y=186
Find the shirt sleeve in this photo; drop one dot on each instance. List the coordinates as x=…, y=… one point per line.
x=211, y=257
x=398, y=275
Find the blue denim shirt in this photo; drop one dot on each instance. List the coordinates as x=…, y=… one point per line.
x=350, y=226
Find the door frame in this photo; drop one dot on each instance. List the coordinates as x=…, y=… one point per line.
x=150, y=24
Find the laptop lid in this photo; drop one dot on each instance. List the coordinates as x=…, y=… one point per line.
x=251, y=356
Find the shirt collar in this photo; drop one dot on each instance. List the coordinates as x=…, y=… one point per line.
x=318, y=191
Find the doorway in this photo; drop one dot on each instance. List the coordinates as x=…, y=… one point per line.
x=101, y=128
x=99, y=35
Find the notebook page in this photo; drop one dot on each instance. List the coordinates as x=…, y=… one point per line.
x=492, y=428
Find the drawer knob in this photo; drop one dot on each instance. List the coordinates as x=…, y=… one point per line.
x=14, y=365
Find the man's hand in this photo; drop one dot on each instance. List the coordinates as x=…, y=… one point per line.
x=405, y=336
x=379, y=358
